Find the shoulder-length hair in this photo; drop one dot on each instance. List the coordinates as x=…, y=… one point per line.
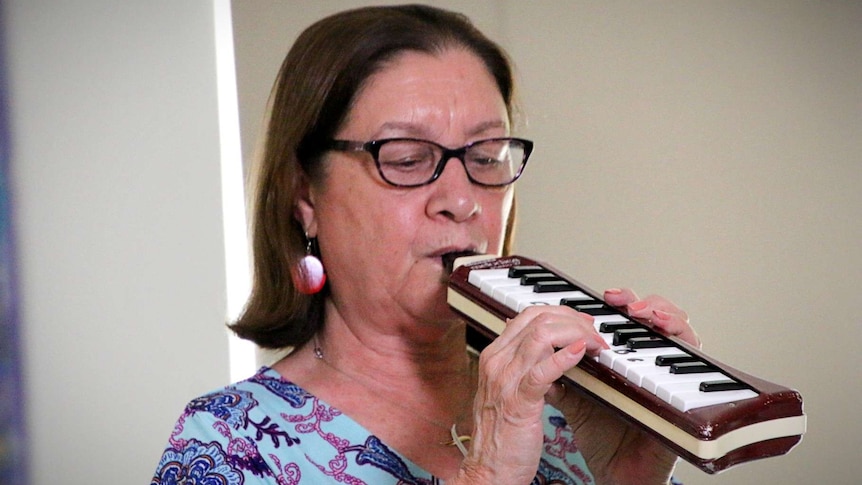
x=311, y=97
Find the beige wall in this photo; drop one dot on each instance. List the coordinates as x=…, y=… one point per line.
x=117, y=197
x=707, y=151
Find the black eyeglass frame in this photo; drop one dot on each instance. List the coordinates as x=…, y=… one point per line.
x=373, y=148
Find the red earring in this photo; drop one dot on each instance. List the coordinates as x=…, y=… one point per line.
x=308, y=275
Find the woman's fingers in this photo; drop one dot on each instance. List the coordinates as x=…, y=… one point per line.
x=536, y=348
x=656, y=312
x=551, y=337
x=675, y=323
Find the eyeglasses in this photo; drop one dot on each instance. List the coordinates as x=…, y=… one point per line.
x=408, y=162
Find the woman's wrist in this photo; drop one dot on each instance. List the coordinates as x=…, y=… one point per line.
x=471, y=475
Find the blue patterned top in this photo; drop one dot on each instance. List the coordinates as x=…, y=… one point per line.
x=267, y=430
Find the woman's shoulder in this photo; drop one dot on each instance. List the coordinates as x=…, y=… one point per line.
x=248, y=407
x=267, y=429
x=229, y=432
x=266, y=384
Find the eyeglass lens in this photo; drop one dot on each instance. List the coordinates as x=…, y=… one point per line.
x=413, y=162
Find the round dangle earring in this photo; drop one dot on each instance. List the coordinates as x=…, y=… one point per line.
x=308, y=275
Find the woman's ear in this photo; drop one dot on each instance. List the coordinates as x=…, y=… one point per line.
x=303, y=211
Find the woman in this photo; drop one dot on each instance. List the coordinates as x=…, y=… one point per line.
x=362, y=170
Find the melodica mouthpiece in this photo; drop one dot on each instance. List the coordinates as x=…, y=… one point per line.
x=449, y=259
x=458, y=258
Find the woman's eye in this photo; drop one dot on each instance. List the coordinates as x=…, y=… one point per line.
x=406, y=163
x=485, y=161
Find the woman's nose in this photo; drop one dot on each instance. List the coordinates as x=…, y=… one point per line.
x=455, y=196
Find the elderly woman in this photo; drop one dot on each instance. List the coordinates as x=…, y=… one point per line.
x=389, y=146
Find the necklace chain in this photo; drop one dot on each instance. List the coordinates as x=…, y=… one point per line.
x=457, y=440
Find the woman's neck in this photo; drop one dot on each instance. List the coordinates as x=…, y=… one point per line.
x=409, y=388
x=392, y=352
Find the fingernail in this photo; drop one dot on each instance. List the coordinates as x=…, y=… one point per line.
x=579, y=345
x=576, y=347
x=661, y=315
x=637, y=306
x=614, y=291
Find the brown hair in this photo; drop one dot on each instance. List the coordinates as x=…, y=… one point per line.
x=311, y=98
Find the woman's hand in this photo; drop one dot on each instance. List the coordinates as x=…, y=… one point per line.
x=516, y=371
x=616, y=452
x=656, y=312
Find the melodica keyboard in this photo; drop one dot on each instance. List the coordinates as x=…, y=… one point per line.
x=708, y=413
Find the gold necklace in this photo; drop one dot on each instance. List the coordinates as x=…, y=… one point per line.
x=457, y=440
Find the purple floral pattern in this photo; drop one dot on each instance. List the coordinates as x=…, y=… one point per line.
x=197, y=464
x=267, y=430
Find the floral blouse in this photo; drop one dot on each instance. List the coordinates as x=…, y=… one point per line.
x=267, y=430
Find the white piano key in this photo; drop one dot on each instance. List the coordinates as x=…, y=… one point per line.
x=667, y=387
x=503, y=293
x=491, y=285
x=639, y=358
x=519, y=301
x=622, y=358
x=685, y=401
x=636, y=374
x=654, y=382
x=607, y=357
x=608, y=338
x=600, y=319
x=477, y=276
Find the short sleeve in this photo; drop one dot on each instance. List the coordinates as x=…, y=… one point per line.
x=205, y=449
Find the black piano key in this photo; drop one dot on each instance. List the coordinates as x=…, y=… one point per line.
x=622, y=336
x=670, y=359
x=691, y=368
x=598, y=310
x=518, y=271
x=533, y=278
x=590, y=307
x=582, y=304
x=652, y=342
x=585, y=305
x=611, y=327
x=553, y=286
x=579, y=302
x=723, y=385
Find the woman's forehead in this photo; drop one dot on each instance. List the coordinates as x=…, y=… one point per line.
x=418, y=92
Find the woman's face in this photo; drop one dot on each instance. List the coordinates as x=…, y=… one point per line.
x=382, y=245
